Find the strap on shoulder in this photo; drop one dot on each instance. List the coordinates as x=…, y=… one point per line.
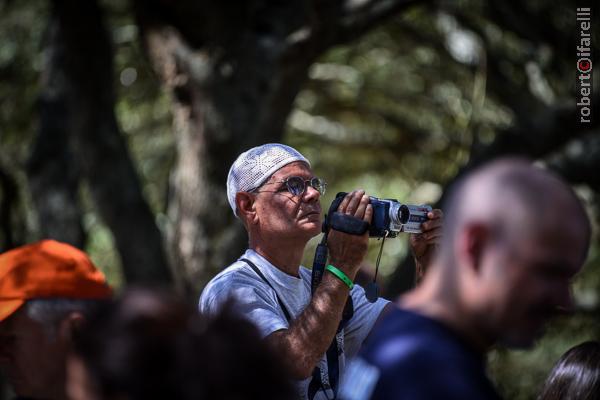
x=260, y=274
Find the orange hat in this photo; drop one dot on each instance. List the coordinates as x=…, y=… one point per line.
x=47, y=269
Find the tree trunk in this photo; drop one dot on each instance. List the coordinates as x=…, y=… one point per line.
x=52, y=168
x=12, y=229
x=223, y=102
x=101, y=149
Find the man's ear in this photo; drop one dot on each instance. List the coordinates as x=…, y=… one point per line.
x=70, y=325
x=470, y=245
x=246, y=210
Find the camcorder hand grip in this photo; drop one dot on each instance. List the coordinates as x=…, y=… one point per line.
x=342, y=222
x=348, y=224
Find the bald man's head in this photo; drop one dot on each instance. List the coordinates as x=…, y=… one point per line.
x=514, y=236
x=517, y=198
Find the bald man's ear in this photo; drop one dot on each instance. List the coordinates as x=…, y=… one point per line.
x=244, y=202
x=471, y=243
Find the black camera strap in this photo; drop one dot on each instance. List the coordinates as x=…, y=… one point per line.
x=333, y=365
x=260, y=274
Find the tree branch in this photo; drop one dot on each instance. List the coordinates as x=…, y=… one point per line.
x=359, y=19
x=517, y=96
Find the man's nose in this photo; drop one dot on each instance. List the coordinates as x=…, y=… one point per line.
x=311, y=194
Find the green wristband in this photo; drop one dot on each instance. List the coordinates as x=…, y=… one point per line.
x=342, y=276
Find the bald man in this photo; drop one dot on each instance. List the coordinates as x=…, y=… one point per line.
x=514, y=237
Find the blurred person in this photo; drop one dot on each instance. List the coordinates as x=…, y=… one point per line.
x=576, y=375
x=514, y=237
x=150, y=345
x=46, y=290
x=274, y=192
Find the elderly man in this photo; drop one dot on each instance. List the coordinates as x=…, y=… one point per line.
x=274, y=192
x=45, y=290
x=514, y=238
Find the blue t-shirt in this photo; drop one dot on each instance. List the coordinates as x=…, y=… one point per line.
x=410, y=356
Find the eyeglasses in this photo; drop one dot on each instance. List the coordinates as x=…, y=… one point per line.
x=297, y=185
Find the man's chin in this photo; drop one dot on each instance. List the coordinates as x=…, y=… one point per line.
x=312, y=228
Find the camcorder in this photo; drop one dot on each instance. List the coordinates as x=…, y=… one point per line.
x=390, y=217
x=393, y=217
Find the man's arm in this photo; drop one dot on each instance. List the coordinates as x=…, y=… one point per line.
x=423, y=247
x=309, y=335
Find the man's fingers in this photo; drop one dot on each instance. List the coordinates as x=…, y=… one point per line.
x=354, y=202
x=431, y=237
x=345, y=201
x=435, y=214
x=435, y=220
x=368, y=213
x=362, y=206
x=434, y=237
x=431, y=225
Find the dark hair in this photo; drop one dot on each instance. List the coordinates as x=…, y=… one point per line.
x=150, y=345
x=576, y=375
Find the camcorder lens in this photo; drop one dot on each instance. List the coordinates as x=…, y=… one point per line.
x=403, y=214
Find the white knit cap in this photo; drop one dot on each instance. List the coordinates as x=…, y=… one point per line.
x=253, y=167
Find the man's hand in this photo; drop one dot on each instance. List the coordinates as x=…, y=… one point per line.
x=346, y=251
x=308, y=337
x=424, y=244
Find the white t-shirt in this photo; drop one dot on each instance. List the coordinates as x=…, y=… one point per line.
x=257, y=300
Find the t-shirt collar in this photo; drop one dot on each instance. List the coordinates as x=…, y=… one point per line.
x=277, y=277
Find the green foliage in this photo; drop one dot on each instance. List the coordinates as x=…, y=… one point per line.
x=22, y=31
x=21, y=34
x=520, y=374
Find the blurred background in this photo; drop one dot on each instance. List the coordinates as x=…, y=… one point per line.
x=119, y=121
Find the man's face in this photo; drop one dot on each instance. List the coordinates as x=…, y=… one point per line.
x=529, y=281
x=287, y=215
x=32, y=362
